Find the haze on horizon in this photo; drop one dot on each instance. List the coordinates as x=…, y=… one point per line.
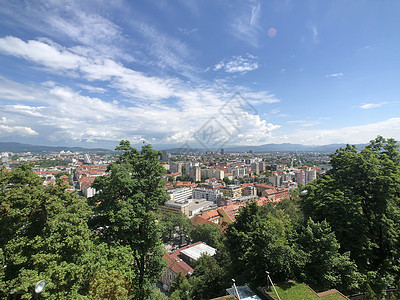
x=92, y=74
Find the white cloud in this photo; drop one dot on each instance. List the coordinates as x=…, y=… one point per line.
x=6, y=130
x=334, y=75
x=245, y=24
x=351, y=134
x=261, y=97
x=166, y=51
x=375, y=105
x=254, y=131
x=187, y=31
x=67, y=115
x=304, y=123
x=237, y=64
x=52, y=56
x=93, y=89
x=315, y=36
x=74, y=21
x=60, y=59
x=275, y=111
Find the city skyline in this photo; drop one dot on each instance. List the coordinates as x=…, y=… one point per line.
x=92, y=74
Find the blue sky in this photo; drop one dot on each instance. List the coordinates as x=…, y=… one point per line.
x=83, y=73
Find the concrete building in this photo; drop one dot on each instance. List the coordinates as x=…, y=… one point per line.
x=311, y=175
x=211, y=185
x=235, y=201
x=238, y=172
x=300, y=177
x=276, y=194
x=275, y=179
x=262, y=166
x=255, y=168
x=212, y=173
x=199, y=206
x=176, y=167
x=195, y=251
x=175, y=207
x=180, y=194
x=179, y=261
x=206, y=193
x=249, y=191
x=231, y=191
x=195, y=173
x=164, y=156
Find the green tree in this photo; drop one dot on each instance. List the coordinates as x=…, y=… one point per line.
x=324, y=267
x=208, y=279
x=44, y=236
x=370, y=294
x=180, y=288
x=171, y=224
x=210, y=234
x=127, y=197
x=258, y=242
x=292, y=209
x=227, y=180
x=360, y=198
x=110, y=285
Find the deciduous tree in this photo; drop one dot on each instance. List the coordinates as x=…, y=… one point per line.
x=258, y=242
x=127, y=197
x=360, y=198
x=44, y=236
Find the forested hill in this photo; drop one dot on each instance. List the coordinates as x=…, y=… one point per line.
x=19, y=147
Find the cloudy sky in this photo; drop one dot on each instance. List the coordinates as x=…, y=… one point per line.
x=90, y=73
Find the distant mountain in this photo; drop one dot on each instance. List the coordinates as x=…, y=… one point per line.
x=285, y=147
x=18, y=147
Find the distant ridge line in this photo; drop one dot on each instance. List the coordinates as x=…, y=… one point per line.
x=19, y=147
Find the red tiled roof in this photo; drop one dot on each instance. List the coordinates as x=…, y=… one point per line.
x=199, y=220
x=209, y=215
x=176, y=264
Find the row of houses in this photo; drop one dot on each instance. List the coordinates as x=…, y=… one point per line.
x=85, y=176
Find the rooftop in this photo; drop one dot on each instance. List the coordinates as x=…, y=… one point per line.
x=196, y=251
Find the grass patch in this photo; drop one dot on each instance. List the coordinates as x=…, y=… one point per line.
x=299, y=291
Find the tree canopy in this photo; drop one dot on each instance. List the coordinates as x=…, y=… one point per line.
x=360, y=199
x=127, y=197
x=258, y=242
x=44, y=236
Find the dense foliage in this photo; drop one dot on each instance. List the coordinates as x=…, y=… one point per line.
x=124, y=212
x=342, y=233
x=44, y=236
x=360, y=199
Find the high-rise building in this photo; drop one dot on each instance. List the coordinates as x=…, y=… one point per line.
x=275, y=179
x=300, y=177
x=164, y=156
x=195, y=173
x=255, y=168
x=311, y=175
x=262, y=166
x=176, y=167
